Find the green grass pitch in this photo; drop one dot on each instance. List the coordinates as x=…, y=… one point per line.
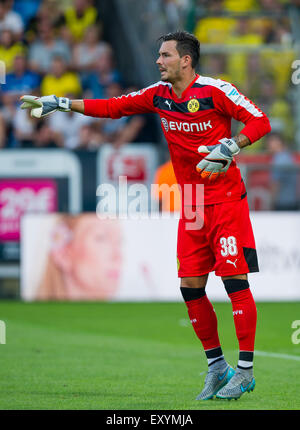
x=136, y=356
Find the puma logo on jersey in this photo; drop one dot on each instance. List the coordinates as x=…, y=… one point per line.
x=232, y=262
x=168, y=103
x=186, y=126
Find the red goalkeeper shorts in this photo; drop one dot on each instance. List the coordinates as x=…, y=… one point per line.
x=224, y=244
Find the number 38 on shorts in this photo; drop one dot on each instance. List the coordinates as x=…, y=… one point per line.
x=228, y=246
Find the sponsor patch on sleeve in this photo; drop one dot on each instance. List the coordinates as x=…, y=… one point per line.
x=233, y=94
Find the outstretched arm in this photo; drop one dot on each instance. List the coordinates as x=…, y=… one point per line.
x=134, y=103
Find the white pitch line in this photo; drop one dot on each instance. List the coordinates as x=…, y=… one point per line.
x=277, y=355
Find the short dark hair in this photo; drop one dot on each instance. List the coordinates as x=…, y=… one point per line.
x=187, y=44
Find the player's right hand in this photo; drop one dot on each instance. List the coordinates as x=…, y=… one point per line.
x=42, y=106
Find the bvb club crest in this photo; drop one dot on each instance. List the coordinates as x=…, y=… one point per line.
x=193, y=105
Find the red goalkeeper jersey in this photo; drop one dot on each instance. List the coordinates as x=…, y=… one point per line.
x=201, y=116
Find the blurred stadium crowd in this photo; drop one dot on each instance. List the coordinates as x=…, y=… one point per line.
x=56, y=47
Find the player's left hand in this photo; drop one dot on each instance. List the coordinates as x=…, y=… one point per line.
x=219, y=158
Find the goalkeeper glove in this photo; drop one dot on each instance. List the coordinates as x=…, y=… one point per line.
x=42, y=106
x=219, y=158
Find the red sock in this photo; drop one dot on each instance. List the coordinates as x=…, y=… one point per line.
x=204, y=320
x=245, y=317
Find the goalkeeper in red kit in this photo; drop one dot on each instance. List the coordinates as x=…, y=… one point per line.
x=196, y=113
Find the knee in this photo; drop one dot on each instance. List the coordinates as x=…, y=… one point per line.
x=194, y=282
x=193, y=288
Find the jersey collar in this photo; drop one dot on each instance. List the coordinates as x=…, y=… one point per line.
x=185, y=91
